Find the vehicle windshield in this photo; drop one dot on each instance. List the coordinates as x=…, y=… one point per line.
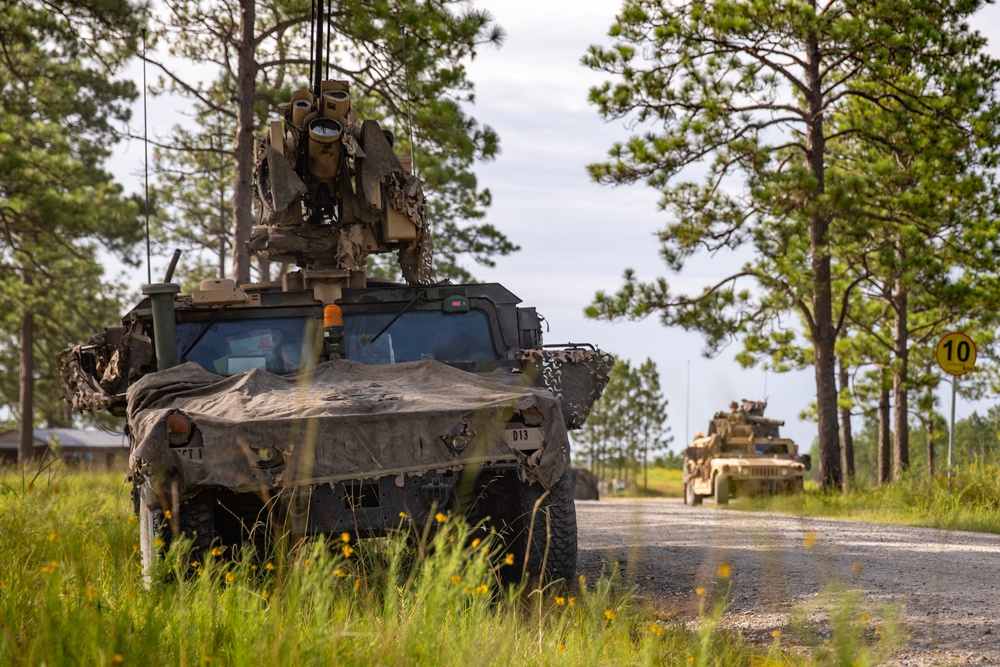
x=228, y=347
x=771, y=448
x=448, y=337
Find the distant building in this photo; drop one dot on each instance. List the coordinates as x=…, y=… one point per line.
x=74, y=445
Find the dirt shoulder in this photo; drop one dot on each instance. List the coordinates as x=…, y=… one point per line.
x=944, y=582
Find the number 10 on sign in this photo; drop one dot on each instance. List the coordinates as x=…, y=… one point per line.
x=956, y=353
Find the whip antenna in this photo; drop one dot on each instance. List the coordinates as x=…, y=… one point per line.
x=409, y=111
x=145, y=159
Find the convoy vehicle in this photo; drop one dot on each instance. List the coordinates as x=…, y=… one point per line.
x=327, y=402
x=742, y=454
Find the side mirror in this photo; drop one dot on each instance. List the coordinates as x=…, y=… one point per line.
x=807, y=460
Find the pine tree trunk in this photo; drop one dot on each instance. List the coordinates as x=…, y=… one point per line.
x=26, y=380
x=821, y=328
x=884, y=443
x=901, y=435
x=245, y=128
x=846, y=437
x=930, y=446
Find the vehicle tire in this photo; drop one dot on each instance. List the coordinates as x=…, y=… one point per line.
x=549, y=531
x=690, y=497
x=195, y=522
x=721, y=490
x=147, y=535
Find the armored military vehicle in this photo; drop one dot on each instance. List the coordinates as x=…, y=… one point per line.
x=742, y=454
x=327, y=402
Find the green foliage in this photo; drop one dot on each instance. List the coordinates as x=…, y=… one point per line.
x=59, y=210
x=72, y=592
x=424, y=97
x=968, y=500
x=626, y=426
x=193, y=199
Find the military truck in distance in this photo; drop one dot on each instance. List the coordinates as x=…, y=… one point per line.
x=743, y=454
x=327, y=402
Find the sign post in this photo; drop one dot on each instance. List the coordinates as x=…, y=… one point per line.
x=956, y=355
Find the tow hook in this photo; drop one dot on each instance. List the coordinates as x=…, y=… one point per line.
x=437, y=491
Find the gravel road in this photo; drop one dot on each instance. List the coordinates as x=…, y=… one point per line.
x=945, y=583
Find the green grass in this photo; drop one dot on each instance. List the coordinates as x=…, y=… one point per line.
x=71, y=593
x=969, y=500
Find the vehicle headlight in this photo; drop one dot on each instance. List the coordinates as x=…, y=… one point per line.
x=745, y=472
x=784, y=472
x=179, y=430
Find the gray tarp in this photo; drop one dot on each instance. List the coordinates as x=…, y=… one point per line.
x=343, y=421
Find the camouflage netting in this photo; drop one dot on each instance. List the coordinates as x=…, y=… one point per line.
x=577, y=376
x=84, y=391
x=345, y=421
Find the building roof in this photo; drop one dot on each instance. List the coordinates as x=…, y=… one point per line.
x=69, y=437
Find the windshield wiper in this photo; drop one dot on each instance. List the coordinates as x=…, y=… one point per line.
x=405, y=308
x=201, y=334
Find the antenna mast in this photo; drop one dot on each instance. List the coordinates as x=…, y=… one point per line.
x=145, y=160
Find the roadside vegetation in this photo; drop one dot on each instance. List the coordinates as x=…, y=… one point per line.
x=967, y=500
x=72, y=593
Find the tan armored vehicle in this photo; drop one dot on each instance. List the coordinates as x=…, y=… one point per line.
x=742, y=454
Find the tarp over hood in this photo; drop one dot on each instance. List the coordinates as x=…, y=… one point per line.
x=340, y=421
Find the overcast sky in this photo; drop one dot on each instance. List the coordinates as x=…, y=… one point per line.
x=576, y=236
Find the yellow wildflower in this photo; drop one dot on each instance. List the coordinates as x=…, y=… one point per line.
x=864, y=618
x=561, y=648
x=560, y=601
x=54, y=537
x=402, y=515
x=217, y=551
x=699, y=591
x=776, y=633
x=691, y=659
x=608, y=614
x=451, y=538
x=440, y=517
x=195, y=564
x=509, y=559
x=357, y=584
x=656, y=629
x=130, y=521
x=340, y=573
x=348, y=550
x=345, y=537
x=91, y=592
x=467, y=589
x=476, y=542
x=724, y=570
x=230, y=577
x=809, y=540
x=264, y=594
x=482, y=589
x=116, y=659
x=269, y=567
x=455, y=578
x=158, y=542
x=572, y=602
